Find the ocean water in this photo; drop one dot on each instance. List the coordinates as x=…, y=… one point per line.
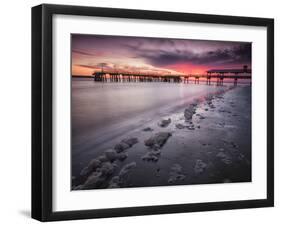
x=102, y=111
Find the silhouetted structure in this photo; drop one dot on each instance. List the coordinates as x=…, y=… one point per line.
x=218, y=74
x=221, y=74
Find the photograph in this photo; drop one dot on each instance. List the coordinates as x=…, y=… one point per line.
x=141, y=112
x=157, y=111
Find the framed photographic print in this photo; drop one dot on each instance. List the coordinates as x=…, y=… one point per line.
x=145, y=112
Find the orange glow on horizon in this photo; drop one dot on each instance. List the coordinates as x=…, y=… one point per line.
x=180, y=68
x=80, y=70
x=190, y=69
x=186, y=69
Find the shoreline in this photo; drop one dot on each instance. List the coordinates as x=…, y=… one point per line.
x=115, y=122
x=146, y=156
x=146, y=118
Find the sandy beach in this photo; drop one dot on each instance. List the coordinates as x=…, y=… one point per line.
x=203, y=138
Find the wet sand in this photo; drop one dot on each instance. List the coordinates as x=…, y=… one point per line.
x=205, y=140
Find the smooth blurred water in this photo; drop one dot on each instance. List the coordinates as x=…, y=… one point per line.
x=102, y=111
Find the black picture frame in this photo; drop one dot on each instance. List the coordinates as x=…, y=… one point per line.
x=42, y=106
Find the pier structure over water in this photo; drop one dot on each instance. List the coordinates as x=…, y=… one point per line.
x=217, y=75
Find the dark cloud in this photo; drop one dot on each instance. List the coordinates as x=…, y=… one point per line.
x=239, y=54
x=83, y=53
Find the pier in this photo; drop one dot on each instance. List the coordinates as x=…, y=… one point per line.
x=219, y=76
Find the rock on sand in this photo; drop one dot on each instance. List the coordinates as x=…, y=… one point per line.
x=152, y=155
x=99, y=177
x=158, y=140
x=92, y=166
x=125, y=144
x=190, y=111
x=121, y=179
x=165, y=122
x=176, y=174
x=200, y=166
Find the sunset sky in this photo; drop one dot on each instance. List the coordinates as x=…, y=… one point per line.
x=155, y=55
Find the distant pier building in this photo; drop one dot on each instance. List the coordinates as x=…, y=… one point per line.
x=244, y=70
x=235, y=74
